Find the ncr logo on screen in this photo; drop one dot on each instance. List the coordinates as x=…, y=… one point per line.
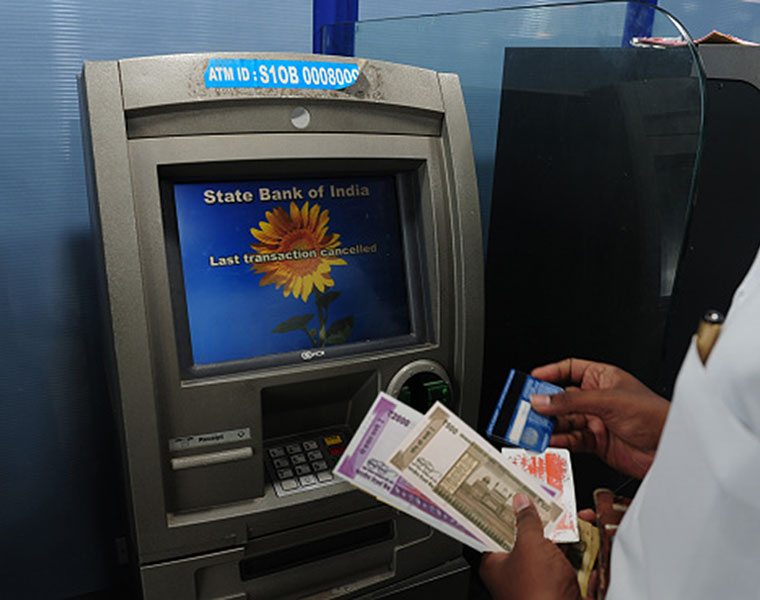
x=310, y=354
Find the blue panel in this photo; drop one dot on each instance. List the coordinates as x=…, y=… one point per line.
x=59, y=498
x=639, y=20
x=329, y=12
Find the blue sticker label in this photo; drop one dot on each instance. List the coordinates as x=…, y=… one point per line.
x=261, y=73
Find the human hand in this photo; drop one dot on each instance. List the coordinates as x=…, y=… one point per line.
x=604, y=410
x=535, y=569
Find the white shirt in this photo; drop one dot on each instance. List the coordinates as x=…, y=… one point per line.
x=693, y=529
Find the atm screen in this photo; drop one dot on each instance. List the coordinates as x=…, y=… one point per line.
x=271, y=267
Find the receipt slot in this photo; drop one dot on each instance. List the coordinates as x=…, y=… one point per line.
x=279, y=237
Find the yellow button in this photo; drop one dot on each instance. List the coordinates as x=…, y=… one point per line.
x=333, y=439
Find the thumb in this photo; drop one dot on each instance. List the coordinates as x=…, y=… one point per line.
x=595, y=402
x=528, y=522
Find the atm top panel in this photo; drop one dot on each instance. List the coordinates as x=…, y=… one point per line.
x=193, y=78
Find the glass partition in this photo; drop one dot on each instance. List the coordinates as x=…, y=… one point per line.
x=587, y=136
x=473, y=44
x=586, y=141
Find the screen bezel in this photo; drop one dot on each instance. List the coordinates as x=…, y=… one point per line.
x=408, y=176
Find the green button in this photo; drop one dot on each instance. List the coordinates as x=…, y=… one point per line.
x=437, y=391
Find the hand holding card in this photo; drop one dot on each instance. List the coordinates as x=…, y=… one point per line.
x=514, y=421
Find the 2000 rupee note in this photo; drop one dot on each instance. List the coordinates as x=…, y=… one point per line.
x=364, y=464
x=442, y=455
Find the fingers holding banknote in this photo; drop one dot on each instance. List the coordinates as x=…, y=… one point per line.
x=536, y=569
x=604, y=410
x=588, y=515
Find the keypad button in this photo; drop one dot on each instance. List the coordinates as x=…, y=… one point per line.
x=289, y=484
x=297, y=464
x=303, y=469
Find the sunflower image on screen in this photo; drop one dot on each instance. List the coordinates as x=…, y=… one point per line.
x=260, y=271
x=301, y=234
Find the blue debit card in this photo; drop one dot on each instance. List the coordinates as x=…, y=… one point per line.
x=514, y=421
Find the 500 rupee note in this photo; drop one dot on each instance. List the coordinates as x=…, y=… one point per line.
x=364, y=464
x=445, y=457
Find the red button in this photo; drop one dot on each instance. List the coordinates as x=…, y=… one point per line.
x=337, y=450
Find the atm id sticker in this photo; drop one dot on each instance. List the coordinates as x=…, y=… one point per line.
x=293, y=74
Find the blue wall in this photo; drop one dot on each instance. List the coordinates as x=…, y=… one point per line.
x=59, y=493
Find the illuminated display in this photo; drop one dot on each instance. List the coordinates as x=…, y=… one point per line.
x=276, y=266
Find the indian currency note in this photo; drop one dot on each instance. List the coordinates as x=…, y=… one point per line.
x=364, y=464
x=589, y=535
x=582, y=554
x=446, y=458
x=552, y=467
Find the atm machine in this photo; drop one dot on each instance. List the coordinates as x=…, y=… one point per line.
x=280, y=237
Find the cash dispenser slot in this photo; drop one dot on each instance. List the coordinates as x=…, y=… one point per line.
x=351, y=552
x=335, y=545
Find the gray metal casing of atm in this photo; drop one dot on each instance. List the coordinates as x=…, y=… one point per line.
x=193, y=527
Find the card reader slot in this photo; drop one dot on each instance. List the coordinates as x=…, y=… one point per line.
x=294, y=556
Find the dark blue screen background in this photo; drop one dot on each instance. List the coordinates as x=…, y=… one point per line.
x=231, y=317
